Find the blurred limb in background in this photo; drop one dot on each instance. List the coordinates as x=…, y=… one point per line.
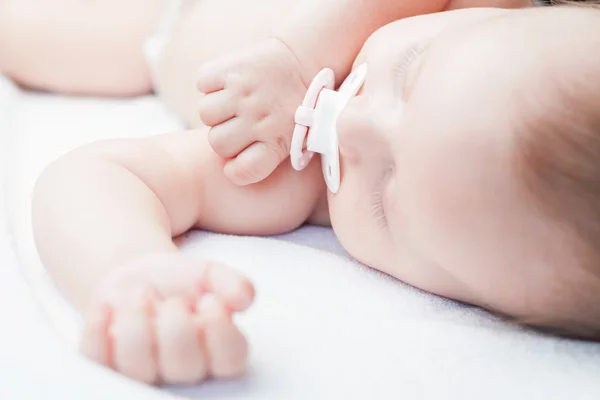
x=92, y=47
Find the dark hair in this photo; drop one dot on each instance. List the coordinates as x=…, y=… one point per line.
x=568, y=2
x=560, y=165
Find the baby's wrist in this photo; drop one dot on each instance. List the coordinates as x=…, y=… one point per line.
x=307, y=63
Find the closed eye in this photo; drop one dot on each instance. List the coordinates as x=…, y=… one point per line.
x=377, y=209
x=377, y=204
x=401, y=67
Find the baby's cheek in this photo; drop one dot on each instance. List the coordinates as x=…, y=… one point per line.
x=345, y=215
x=356, y=228
x=340, y=210
x=426, y=198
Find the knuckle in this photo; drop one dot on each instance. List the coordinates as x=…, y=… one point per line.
x=244, y=175
x=206, y=70
x=280, y=146
x=240, y=83
x=201, y=106
x=204, y=112
x=215, y=141
x=203, y=74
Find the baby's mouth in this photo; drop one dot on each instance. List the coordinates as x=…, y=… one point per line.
x=316, y=121
x=348, y=155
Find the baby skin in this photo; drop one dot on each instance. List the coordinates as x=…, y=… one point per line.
x=438, y=203
x=250, y=96
x=153, y=313
x=257, y=57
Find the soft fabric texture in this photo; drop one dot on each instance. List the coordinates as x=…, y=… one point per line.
x=322, y=326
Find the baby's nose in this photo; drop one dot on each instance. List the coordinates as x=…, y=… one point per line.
x=350, y=122
x=354, y=129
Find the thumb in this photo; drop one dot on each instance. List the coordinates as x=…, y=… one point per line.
x=255, y=163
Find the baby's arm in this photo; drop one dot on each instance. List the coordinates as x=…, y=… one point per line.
x=104, y=217
x=329, y=34
x=78, y=47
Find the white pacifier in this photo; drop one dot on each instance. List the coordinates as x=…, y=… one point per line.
x=317, y=118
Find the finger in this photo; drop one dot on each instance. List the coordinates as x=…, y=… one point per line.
x=226, y=346
x=233, y=289
x=181, y=358
x=217, y=107
x=254, y=164
x=174, y=275
x=210, y=77
x=230, y=138
x=95, y=342
x=132, y=332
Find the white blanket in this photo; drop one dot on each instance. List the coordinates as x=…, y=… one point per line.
x=322, y=326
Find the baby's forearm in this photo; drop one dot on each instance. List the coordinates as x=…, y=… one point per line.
x=331, y=33
x=91, y=214
x=114, y=202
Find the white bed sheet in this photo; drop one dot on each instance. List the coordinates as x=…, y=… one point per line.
x=322, y=326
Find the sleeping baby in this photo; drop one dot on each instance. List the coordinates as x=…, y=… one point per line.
x=465, y=164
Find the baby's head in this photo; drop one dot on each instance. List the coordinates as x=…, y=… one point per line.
x=471, y=161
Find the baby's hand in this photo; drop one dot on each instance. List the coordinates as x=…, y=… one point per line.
x=167, y=319
x=250, y=99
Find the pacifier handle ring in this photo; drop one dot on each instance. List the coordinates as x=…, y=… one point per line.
x=300, y=157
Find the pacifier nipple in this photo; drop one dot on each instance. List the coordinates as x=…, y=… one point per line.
x=317, y=119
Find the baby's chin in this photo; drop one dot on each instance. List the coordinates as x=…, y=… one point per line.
x=340, y=217
x=336, y=217
x=353, y=237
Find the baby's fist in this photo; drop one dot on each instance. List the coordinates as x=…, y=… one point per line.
x=166, y=318
x=249, y=102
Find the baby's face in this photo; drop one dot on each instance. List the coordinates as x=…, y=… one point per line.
x=430, y=189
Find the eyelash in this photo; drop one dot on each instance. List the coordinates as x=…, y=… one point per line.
x=377, y=209
x=377, y=202
x=406, y=59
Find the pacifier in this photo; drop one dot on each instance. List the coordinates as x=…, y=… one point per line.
x=317, y=118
